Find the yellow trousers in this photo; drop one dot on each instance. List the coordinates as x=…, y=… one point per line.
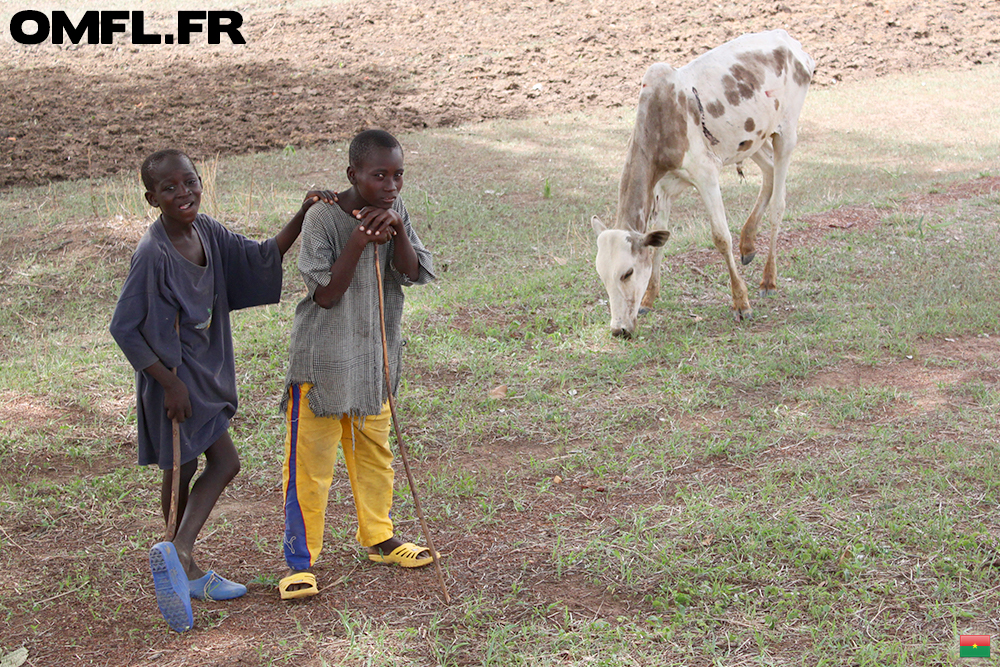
x=310, y=456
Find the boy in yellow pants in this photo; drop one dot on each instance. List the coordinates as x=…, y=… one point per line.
x=335, y=387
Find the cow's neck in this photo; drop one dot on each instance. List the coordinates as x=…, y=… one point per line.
x=635, y=190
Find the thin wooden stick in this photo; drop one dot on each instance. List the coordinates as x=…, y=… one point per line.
x=399, y=436
x=175, y=474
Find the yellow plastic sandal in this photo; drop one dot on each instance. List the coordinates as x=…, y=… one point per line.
x=406, y=555
x=307, y=578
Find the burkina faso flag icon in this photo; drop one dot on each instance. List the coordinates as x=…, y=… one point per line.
x=974, y=646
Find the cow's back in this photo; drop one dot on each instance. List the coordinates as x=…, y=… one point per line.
x=747, y=89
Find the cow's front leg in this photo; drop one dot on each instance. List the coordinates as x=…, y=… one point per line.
x=741, y=298
x=653, y=288
x=723, y=241
x=658, y=219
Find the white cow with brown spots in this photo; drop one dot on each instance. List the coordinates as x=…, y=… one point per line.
x=740, y=100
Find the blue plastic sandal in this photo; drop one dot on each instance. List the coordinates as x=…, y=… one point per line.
x=172, y=593
x=213, y=587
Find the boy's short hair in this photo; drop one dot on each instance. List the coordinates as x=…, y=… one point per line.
x=366, y=142
x=151, y=163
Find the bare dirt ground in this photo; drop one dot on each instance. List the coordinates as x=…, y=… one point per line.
x=316, y=75
x=313, y=76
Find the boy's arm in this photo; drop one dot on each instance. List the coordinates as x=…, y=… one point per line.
x=144, y=324
x=286, y=237
x=404, y=257
x=342, y=271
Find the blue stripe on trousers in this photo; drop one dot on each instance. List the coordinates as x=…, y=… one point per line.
x=296, y=549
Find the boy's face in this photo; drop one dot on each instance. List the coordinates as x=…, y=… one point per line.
x=176, y=190
x=379, y=178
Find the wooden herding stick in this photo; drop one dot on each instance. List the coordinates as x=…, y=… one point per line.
x=175, y=474
x=399, y=436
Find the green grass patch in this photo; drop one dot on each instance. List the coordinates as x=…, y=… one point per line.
x=815, y=486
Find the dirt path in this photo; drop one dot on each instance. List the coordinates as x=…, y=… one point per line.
x=314, y=75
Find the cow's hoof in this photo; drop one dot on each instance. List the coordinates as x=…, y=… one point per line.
x=742, y=315
x=746, y=259
x=766, y=293
x=624, y=334
x=643, y=310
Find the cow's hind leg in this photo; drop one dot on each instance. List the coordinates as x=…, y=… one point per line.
x=784, y=144
x=657, y=220
x=748, y=236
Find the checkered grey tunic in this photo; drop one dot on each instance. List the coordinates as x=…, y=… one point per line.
x=339, y=350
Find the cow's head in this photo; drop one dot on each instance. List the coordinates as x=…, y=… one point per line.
x=625, y=263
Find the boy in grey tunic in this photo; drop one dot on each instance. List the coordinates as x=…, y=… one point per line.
x=335, y=388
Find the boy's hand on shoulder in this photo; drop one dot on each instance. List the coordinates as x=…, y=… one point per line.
x=286, y=237
x=313, y=196
x=379, y=223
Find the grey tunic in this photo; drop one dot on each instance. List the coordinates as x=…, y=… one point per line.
x=161, y=283
x=339, y=350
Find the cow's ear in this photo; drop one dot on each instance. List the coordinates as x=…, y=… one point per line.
x=657, y=238
x=598, y=226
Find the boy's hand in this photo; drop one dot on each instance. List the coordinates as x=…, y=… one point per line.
x=380, y=223
x=313, y=196
x=286, y=237
x=176, y=400
x=362, y=236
